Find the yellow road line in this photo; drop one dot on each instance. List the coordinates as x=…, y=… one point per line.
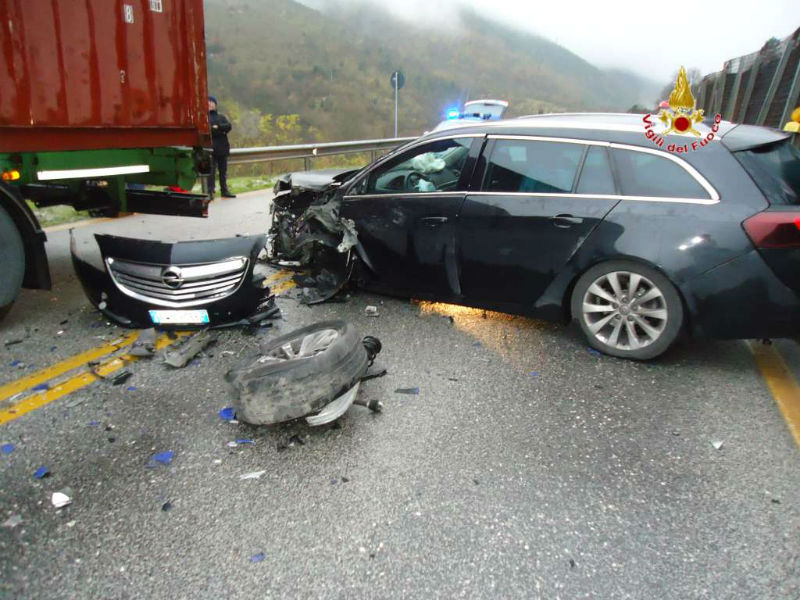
x=283, y=286
x=72, y=384
x=283, y=274
x=58, y=369
x=781, y=383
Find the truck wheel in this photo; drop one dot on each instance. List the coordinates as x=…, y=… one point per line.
x=12, y=259
x=299, y=373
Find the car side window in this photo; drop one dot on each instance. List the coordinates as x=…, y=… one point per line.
x=646, y=174
x=532, y=166
x=433, y=167
x=596, y=176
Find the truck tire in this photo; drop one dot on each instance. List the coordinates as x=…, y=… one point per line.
x=299, y=373
x=12, y=259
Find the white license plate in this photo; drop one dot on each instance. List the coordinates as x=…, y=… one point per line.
x=179, y=317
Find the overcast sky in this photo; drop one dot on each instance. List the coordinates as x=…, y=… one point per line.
x=650, y=38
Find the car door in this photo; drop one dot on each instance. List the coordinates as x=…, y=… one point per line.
x=406, y=210
x=538, y=200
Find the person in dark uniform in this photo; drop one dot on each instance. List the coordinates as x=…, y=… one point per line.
x=220, y=126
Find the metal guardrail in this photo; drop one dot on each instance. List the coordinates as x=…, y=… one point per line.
x=240, y=156
x=761, y=88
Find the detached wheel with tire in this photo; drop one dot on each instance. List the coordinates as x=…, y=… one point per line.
x=12, y=259
x=627, y=309
x=299, y=373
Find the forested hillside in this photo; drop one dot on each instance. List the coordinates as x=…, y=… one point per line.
x=286, y=73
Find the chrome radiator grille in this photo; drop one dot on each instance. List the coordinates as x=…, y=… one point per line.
x=178, y=286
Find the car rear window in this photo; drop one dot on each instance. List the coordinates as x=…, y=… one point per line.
x=532, y=166
x=776, y=170
x=650, y=175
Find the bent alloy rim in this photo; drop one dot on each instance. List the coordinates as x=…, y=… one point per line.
x=625, y=310
x=305, y=346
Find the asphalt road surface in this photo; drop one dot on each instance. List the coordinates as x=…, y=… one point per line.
x=525, y=467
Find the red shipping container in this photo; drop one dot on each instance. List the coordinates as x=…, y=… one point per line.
x=95, y=74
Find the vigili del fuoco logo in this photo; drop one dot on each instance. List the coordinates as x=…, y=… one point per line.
x=680, y=119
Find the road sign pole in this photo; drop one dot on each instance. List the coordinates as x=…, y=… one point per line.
x=398, y=80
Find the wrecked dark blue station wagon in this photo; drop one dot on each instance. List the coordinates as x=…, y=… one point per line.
x=562, y=217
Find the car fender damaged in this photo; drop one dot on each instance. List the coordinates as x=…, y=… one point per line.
x=208, y=283
x=308, y=232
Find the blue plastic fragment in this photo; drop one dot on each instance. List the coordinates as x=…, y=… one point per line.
x=534, y=373
x=594, y=352
x=42, y=387
x=162, y=457
x=476, y=344
x=7, y=448
x=227, y=414
x=15, y=363
x=93, y=423
x=257, y=557
x=53, y=348
x=131, y=388
x=41, y=472
x=245, y=441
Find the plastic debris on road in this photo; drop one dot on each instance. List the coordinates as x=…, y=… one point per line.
x=42, y=387
x=120, y=377
x=594, y=352
x=61, y=499
x=411, y=391
x=75, y=402
x=717, y=444
x=253, y=475
x=41, y=473
x=371, y=311
x=7, y=448
x=163, y=458
x=180, y=354
x=227, y=414
x=375, y=375
x=257, y=557
x=295, y=440
x=145, y=344
x=12, y=521
x=167, y=506
x=245, y=442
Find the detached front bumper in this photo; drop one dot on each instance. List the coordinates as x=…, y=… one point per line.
x=199, y=283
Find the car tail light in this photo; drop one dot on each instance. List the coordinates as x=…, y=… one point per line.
x=774, y=229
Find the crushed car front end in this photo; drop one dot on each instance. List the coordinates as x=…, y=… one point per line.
x=307, y=232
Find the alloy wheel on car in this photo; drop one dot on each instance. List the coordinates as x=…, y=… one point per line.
x=625, y=310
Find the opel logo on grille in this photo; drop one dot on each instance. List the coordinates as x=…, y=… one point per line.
x=172, y=277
